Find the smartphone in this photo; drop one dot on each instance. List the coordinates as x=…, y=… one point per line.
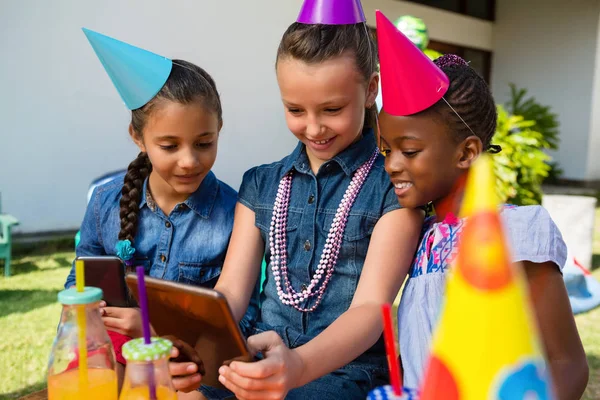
x=108, y=274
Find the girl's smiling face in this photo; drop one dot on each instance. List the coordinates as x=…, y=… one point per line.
x=325, y=103
x=181, y=142
x=423, y=158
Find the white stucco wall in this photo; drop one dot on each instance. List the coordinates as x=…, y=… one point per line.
x=444, y=26
x=593, y=165
x=549, y=47
x=63, y=123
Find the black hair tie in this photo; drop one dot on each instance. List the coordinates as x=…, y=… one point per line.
x=428, y=208
x=494, y=149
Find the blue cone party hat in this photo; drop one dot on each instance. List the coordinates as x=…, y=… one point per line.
x=137, y=74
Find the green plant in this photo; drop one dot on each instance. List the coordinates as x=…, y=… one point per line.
x=522, y=165
x=545, y=121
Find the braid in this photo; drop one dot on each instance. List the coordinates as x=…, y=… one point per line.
x=470, y=96
x=131, y=194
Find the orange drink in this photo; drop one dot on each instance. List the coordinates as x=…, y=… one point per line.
x=143, y=393
x=101, y=385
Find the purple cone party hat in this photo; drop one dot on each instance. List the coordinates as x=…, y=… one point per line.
x=331, y=12
x=137, y=74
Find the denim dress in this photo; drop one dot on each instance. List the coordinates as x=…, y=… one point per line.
x=314, y=201
x=186, y=246
x=532, y=236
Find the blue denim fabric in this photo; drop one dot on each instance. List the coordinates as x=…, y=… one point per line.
x=187, y=246
x=313, y=204
x=353, y=381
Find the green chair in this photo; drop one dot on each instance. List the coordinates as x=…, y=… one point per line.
x=263, y=275
x=6, y=224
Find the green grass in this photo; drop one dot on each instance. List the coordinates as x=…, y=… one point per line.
x=589, y=327
x=29, y=314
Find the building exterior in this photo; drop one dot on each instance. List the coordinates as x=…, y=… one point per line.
x=549, y=47
x=63, y=124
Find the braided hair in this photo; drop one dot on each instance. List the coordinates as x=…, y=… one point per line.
x=186, y=83
x=137, y=172
x=470, y=96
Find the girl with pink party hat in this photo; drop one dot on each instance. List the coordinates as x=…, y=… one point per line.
x=437, y=119
x=325, y=218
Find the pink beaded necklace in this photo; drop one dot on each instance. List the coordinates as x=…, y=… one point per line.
x=278, y=241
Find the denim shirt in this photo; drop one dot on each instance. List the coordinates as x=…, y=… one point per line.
x=313, y=203
x=187, y=246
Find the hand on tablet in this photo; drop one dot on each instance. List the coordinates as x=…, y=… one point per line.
x=185, y=366
x=270, y=378
x=127, y=321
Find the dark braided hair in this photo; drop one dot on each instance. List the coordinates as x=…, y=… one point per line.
x=470, y=96
x=315, y=43
x=137, y=171
x=187, y=83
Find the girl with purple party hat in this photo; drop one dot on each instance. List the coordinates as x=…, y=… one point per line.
x=325, y=218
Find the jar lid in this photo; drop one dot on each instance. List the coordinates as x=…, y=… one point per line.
x=72, y=296
x=137, y=350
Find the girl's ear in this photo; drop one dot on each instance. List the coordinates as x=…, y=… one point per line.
x=372, y=90
x=469, y=149
x=137, y=139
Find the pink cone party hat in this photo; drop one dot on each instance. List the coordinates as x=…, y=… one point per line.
x=411, y=82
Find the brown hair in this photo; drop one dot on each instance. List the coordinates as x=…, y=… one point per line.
x=186, y=83
x=318, y=43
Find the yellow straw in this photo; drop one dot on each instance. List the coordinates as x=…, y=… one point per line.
x=81, y=324
x=79, y=276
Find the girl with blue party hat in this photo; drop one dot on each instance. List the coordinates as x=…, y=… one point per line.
x=437, y=119
x=169, y=212
x=321, y=218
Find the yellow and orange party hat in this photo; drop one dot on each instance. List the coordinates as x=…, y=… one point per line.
x=486, y=343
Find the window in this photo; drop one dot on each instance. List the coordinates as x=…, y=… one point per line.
x=479, y=60
x=483, y=9
x=449, y=5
